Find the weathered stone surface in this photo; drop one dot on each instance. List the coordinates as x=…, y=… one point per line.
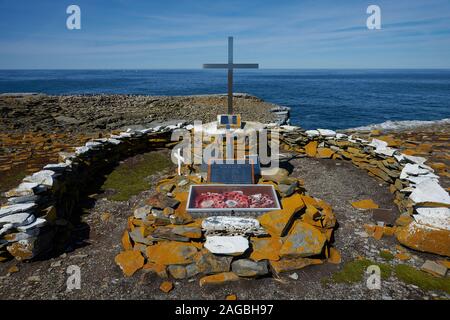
x=335, y=256
x=188, y=232
x=291, y=264
x=166, y=233
x=142, y=212
x=137, y=235
x=209, y=263
x=424, y=238
x=161, y=201
x=217, y=279
x=228, y=245
x=266, y=248
x=404, y=220
x=311, y=148
x=171, y=252
x=177, y=271
x=365, y=204
x=324, y=153
x=303, y=240
x=434, y=268
x=231, y=225
x=17, y=219
x=129, y=261
x=278, y=222
x=249, y=268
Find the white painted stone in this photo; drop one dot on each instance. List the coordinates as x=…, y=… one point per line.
x=414, y=159
x=43, y=177
x=327, y=132
x=386, y=151
x=189, y=127
x=412, y=170
x=18, y=219
x=125, y=134
x=312, y=133
x=81, y=150
x=93, y=144
x=434, y=217
x=289, y=128
x=24, y=189
x=430, y=191
x=378, y=144
x=420, y=179
x=231, y=225
x=16, y=208
x=341, y=136
x=234, y=245
x=57, y=167
x=39, y=222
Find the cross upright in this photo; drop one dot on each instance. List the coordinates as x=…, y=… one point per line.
x=230, y=66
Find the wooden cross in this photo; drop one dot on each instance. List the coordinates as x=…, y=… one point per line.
x=230, y=66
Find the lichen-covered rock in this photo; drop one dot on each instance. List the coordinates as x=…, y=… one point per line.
x=188, y=232
x=278, y=222
x=311, y=149
x=161, y=201
x=171, y=252
x=219, y=278
x=303, y=240
x=424, y=238
x=266, y=248
x=365, y=204
x=249, y=268
x=130, y=261
x=291, y=264
x=177, y=271
x=209, y=263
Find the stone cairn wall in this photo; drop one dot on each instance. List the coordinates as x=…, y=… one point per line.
x=424, y=223
x=39, y=209
x=37, y=214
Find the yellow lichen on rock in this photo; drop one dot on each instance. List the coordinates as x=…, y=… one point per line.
x=365, y=204
x=130, y=261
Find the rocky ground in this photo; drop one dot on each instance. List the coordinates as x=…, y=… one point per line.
x=339, y=183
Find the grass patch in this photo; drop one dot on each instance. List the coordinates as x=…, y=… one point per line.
x=129, y=178
x=386, y=255
x=353, y=271
x=421, y=279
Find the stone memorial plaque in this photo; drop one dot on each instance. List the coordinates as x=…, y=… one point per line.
x=231, y=173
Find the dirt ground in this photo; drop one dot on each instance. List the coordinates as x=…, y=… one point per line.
x=338, y=183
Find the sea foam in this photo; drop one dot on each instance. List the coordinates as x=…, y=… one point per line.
x=406, y=124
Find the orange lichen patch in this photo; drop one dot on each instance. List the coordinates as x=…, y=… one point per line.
x=311, y=148
x=402, y=256
x=277, y=222
x=166, y=286
x=378, y=233
x=334, y=256
x=182, y=197
x=425, y=239
x=370, y=229
x=445, y=263
x=266, y=248
x=365, y=204
x=404, y=220
x=171, y=252
x=324, y=153
x=21, y=251
x=231, y=297
x=310, y=201
x=390, y=140
x=218, y=278
x=303, y=240
x=389, y=231
x=291, y=264
x=129, y=261
x=126, y=241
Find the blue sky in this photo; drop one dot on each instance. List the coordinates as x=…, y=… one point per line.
x=119, y=34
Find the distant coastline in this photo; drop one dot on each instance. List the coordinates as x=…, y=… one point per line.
x=318, y=98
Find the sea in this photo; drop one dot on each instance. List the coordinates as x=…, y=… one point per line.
x=318, y=98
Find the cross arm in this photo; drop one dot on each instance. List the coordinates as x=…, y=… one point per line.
x=231, y=66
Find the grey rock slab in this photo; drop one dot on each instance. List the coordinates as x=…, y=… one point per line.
x=249, y=268
x=16, y=208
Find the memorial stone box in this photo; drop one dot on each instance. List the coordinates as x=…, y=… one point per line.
x=231, y=199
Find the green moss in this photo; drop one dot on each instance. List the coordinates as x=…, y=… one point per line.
x=129, y=178
x=421, y=279
x=386, y=255
x=354, y=271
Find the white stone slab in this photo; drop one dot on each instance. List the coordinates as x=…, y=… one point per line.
x=234, y=245
x=430, y=191
x=18, y=219
x=327, y=132
x=312, y=133
x=39, y=222
x=43, y=177
x=232, y=225
x=16, y=208
x=412, y=170
x=434, y=217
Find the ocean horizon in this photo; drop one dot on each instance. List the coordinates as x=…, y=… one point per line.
x=318, y=98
